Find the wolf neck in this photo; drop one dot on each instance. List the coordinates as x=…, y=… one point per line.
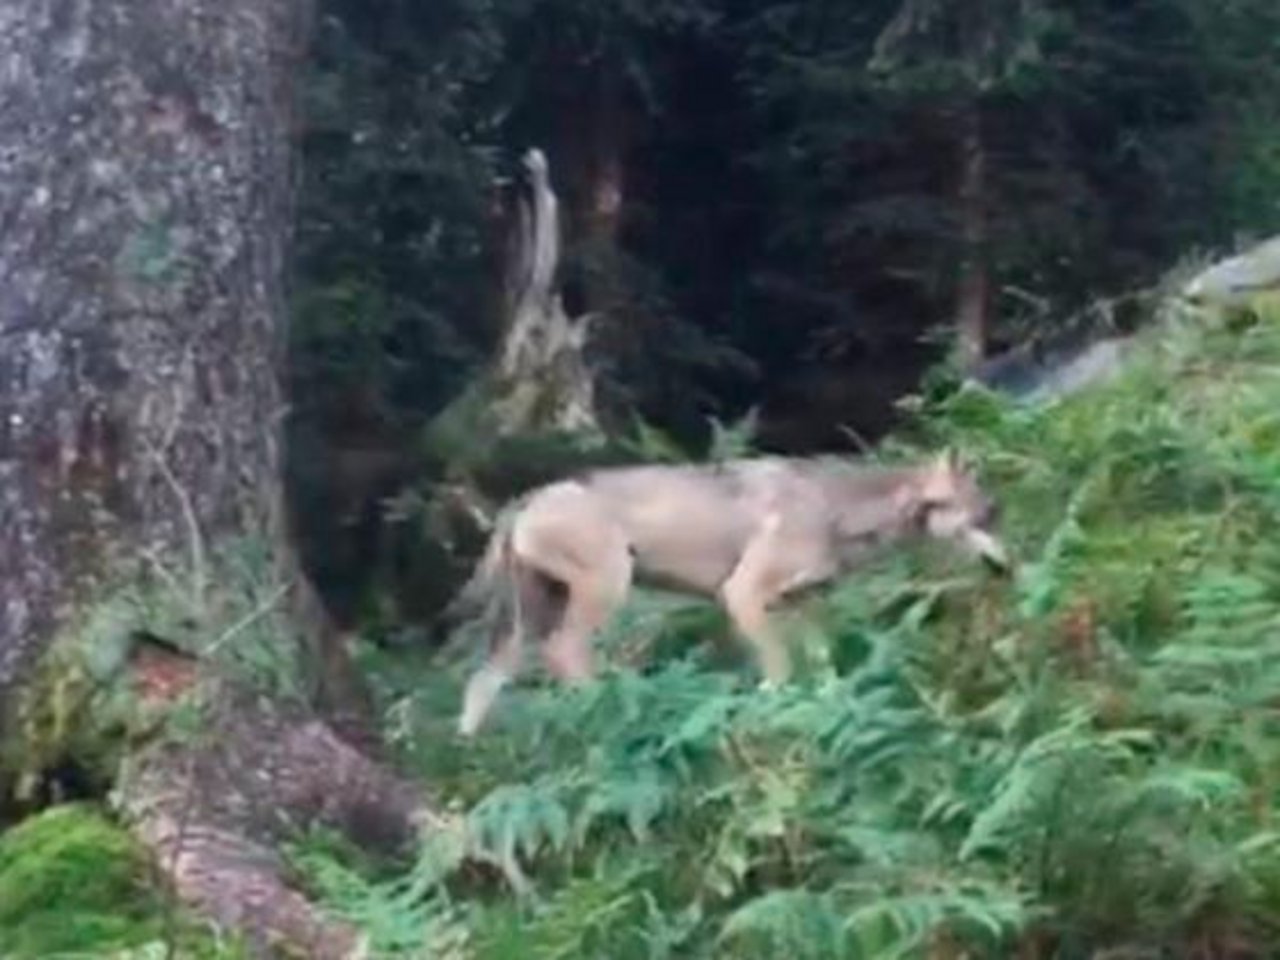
x=868, y=502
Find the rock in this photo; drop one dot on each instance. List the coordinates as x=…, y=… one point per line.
x=1236, y=280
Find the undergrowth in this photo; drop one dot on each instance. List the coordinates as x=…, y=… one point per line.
x=1082, y=762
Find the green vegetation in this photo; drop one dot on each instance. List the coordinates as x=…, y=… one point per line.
x=1079, y=761
x=73, y=885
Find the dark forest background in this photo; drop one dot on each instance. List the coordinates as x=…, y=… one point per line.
x=799, y=207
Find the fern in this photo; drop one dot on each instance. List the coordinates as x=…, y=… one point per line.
x=410, y=915
x=788, y=923
x=899, y=926
x=734, y=440
x=519, y=820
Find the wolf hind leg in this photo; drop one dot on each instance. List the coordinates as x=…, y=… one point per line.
x=595, y=594
x=483, y=688
x=580, y=549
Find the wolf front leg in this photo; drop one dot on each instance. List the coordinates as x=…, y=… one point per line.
x=746, y=596
x=780, y=558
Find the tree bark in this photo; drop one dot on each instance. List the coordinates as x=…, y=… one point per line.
x=973, y=292
x=146, y=184
x=604, y=289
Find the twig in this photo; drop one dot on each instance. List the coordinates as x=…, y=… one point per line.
x=249, y=619
x=170, y=578
x=858, y=440
x=159, y=454
x=194, y=535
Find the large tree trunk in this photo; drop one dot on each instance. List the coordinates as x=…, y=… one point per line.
x=603, y=190
x=145, y=210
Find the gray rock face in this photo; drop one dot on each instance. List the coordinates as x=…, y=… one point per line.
x=1036, y=372
x=1233, y=281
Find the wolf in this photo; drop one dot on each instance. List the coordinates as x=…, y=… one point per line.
x=747, y=532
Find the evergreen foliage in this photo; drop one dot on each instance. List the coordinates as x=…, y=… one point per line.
x=790, y=175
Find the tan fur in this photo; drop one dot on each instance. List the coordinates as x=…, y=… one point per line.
x=747, y=532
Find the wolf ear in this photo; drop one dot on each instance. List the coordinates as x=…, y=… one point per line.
x=948, y=462
x=939, y=479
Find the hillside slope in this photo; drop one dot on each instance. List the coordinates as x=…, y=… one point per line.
x=1079, y=763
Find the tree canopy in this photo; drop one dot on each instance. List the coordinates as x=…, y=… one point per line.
x=753, y=188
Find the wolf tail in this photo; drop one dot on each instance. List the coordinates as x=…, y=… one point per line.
x=491, y=573
x=520, y=597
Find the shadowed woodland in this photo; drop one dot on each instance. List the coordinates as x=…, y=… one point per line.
x=297, y=295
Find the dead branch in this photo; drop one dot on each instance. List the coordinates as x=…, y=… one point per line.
x=540, y=365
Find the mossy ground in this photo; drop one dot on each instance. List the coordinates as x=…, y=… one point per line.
x=73, y=884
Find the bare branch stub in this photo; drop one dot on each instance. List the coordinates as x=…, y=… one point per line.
x=544, y=381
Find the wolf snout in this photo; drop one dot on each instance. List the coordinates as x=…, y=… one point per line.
x=989, y=549
x=1003, y=566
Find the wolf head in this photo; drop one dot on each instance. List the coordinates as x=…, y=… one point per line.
x=955, y=509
